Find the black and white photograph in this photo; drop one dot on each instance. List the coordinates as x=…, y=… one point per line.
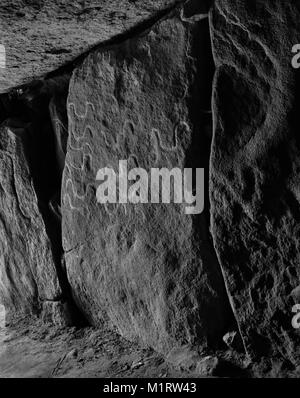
x=149, y=193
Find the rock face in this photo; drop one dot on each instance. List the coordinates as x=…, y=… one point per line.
x=33, y=137
x=148, y=269
x=255, y=180
x=28, y=275
x=42, y=35
x=177, y=282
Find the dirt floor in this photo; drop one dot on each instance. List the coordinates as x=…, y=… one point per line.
x=36, y=350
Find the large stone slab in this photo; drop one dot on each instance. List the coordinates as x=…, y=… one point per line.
x=28, y=275
x=255, y=180
x=42, y=35
x=148, y=269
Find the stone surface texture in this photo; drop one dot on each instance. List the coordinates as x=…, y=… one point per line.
x=42, y=35
x=149, y=269
x=255, y=168
x=28, y=274
x=159, y=84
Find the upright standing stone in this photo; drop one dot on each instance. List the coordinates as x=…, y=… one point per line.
x=28, y=276
x=149, y=269
x=255, y=167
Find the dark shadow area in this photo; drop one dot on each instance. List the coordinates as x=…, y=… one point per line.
x=29, y=108
x=198, y=155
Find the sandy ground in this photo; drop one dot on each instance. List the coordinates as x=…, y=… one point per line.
x=36, y=350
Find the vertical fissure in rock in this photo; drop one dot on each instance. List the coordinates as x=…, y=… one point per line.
x=234, y=321
x=40, y=108
x=213, y=115
x=203, y=115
